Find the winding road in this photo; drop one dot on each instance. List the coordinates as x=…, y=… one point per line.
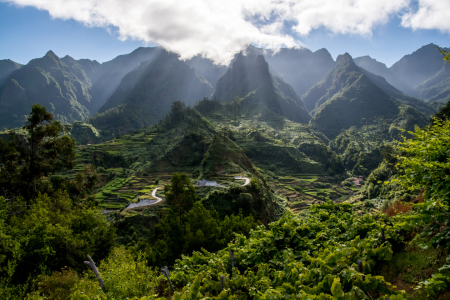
x=247, y=181
x=159, y=199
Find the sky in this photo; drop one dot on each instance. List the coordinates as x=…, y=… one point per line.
x=103, y=29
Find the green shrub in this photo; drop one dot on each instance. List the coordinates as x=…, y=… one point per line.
x=124, y=277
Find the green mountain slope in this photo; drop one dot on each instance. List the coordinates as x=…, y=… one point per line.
x=269, y=140
x=354, y=105
x=350, y=96
x=399, y=96
x=249, y=78
x=344, y=73
x=112, y=72
x=436, y=88
x=61, y=85
x=224, y=155
x=146, y=94
x=7, y=66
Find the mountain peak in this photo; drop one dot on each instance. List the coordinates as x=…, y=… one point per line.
x=419, y=66
x=323, y=53
x=344, y=58
x=51, y=54
x=260, y=60
x=249, y=78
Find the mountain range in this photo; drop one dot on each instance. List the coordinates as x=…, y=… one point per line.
x=351, y=96
x=137, y=89
x=59, y=84
x=421, y=74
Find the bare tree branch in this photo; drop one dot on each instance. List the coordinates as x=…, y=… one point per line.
x=91, y=264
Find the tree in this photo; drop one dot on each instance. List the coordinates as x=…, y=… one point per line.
x=42, y=151
x=202, y=230
x=180, y=194
x=425, y=160
x=445, y=54
x=442, y=114
x=176, y=110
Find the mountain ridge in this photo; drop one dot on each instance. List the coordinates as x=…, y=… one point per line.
x=59, y=84
x=144, y=96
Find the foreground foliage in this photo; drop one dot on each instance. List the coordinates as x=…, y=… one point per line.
x=46, y=222
x=426, y=165
x=311, y=257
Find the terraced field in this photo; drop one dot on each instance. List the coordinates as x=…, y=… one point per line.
x=302, y=190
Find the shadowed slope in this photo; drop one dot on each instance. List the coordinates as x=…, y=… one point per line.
x=437, y=88
x=415, y=68
x=380, y=69
x=113, y=71
x=249, y=78
x=146, y=94
x=299, y=67
x=7, y=66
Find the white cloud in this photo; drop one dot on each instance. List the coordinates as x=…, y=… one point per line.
x=220, y=28
x=430, y=14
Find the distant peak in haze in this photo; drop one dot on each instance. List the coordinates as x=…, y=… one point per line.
x=50, y=53
x=344, y=58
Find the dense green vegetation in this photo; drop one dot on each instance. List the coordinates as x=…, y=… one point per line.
x=329, y=251
x=46, y=223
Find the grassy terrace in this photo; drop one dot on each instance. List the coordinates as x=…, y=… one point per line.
x=304, y=189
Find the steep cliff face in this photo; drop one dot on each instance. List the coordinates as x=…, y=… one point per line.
x=343, y=74
x=299, y=67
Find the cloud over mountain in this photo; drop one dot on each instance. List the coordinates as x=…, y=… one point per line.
x=219, y=29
